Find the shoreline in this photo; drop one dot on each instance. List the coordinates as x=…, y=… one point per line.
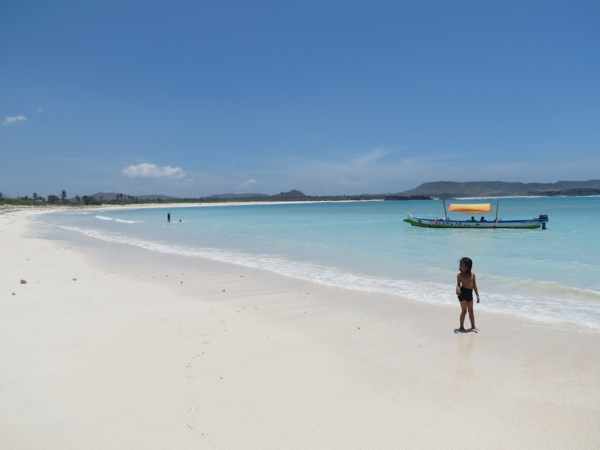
x=58, y=207
x=376, y=282
x=135, y=354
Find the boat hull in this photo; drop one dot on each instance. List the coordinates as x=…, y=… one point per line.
x=487, y=224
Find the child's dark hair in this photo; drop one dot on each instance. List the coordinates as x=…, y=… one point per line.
x=467, y=262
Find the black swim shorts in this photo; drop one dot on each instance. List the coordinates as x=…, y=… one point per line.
x=465, y=294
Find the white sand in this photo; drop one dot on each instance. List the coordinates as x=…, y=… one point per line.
x=128, y=357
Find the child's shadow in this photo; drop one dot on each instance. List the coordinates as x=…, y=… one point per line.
x=471, y=330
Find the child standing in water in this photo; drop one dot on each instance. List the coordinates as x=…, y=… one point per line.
x=465, y=284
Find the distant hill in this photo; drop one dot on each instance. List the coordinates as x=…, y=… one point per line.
x=451, y=189
x=237, y=195
x=108, y=196
x=291, y=196
x=154, y=197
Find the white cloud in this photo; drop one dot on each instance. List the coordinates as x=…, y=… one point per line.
x=246, y=184
x=371, y=155
x=10, y=120
x=153, y=171
x=40, y=109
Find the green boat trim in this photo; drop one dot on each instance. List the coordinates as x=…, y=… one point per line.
x=470, y=226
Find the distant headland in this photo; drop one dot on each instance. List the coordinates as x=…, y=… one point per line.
x=452, y=189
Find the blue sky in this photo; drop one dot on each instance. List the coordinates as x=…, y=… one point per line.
x=196, y=98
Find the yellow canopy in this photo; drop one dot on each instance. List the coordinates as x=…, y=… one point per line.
x=472, y=209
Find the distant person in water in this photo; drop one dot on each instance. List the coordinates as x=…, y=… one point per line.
x=169, y=216
x=179, y=220
x=465, y=285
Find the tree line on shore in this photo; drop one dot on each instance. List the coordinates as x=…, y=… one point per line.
x=122, y=199
x=62, y=199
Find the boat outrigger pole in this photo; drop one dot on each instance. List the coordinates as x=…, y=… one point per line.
x=445, y=213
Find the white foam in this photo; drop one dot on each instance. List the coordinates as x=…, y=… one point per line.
x=103, y=218
x=126, y=221
x=546, y=309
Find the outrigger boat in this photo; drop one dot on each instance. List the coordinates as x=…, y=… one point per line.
x=482, y=208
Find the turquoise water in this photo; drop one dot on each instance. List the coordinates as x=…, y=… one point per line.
x=550, y=276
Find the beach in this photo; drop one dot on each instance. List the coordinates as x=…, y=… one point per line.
x=114, y=346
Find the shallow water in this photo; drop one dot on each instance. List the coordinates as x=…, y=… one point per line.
x=548, y=275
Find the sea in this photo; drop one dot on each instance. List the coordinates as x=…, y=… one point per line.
x=549, y=276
